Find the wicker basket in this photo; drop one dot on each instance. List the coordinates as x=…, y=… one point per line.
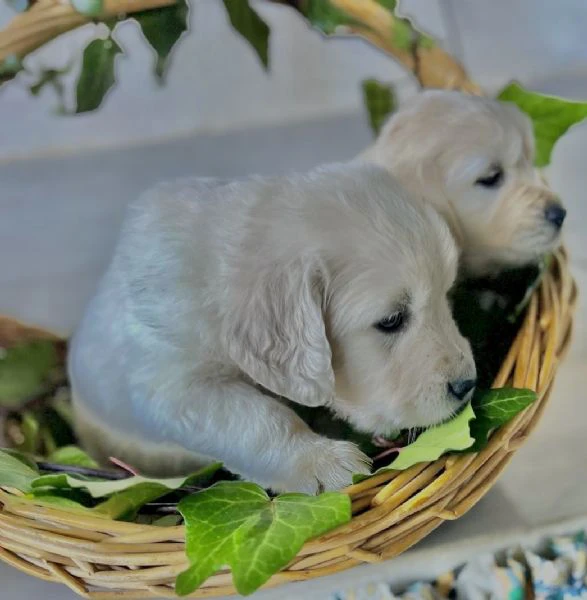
x=101, y=559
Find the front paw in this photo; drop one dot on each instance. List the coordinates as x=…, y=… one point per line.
x=324, y=464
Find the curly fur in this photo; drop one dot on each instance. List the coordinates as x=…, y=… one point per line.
x=220, y=290
x=441, y=144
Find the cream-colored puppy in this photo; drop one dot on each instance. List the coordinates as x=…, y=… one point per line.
x=472, y=158
x=328, y=289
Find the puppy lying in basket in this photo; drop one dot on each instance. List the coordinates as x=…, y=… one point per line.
x=328, y=289
x=472, y=158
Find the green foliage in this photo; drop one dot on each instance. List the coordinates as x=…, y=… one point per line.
x=124, y=504
x=433, y=443
x=124, y=497
x=436, y=441
x=97, y=75
x=9, y=68
x=331, y=20
x=250, y=26
x=163, y=28
x=16, y=472
x=24, y=371
x=551, y=117
x=50, y=78
x=237, y=524
x=30, y=428
x=494, y=408
x=102, y=488
x=379, y=100
x=72, y=455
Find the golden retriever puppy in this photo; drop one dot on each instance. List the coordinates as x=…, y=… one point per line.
x=328, y=289
x=472, y=158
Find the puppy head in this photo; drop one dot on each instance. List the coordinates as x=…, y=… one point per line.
x=473, y=159
x=351, y=309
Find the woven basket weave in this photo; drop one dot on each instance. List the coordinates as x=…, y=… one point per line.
x=103, y=559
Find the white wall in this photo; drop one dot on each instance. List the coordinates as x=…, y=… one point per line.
x=215, y=82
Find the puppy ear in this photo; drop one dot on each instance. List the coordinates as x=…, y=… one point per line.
x=275, y=333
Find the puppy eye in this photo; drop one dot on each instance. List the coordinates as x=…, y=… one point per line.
x=494, y=179
x=391, y=324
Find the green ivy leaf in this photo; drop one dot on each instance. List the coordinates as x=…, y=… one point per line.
x=102, y=488
x=72, y=455
x=436, y=441
x=551, y=116
x=163, y=28
x=501, y=405
x=97, y=74
x=494, y=408
x=24, y=370
x=379, y=100
x=237, y=524
x=125, y=496
x=433, y=443
x=16, y=471
x=125, y=504
x=250, y=25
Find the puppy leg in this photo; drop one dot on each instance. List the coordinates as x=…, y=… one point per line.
x=261, y=439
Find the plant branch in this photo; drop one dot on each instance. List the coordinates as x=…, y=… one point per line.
x=430, y=64
x=433, y=67
x=47, y=19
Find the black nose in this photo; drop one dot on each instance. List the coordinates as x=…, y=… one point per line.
x=555, y=214
x=461, y=387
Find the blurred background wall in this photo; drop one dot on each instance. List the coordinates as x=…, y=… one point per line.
x=216, y=83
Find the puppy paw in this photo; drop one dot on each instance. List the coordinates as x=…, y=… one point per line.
x=325, y=464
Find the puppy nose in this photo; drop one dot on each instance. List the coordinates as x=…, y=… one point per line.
x=461, y=387
x=555, y=214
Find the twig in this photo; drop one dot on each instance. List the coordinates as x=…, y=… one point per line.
x=122, y=465
x=47, y=19
x=391, y=450
x=76, y=470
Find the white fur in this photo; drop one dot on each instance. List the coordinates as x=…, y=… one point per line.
x=221, y=292
x=441, y=143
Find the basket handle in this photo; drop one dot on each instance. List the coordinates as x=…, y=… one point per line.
x=47, y=19
x=431, y=66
